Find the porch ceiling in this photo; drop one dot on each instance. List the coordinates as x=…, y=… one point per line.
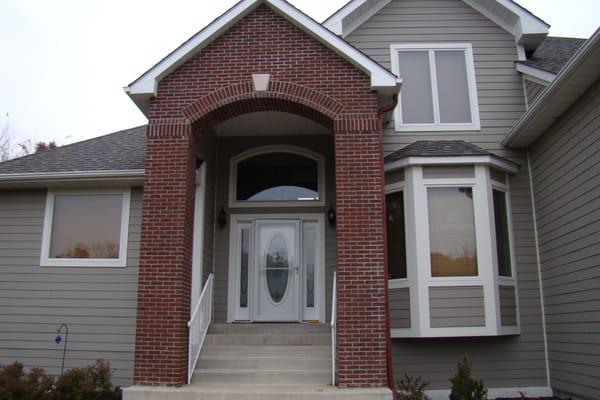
x=269, y=123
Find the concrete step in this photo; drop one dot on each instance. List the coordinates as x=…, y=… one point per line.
x=269, y=328
x=255, y=392
x=287, y=339
x=281, y=363
x=261, y=376
x=265, y=351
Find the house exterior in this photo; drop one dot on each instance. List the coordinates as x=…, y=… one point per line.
x=315, y=204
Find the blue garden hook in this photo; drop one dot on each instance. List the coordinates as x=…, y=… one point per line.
x=58, y=339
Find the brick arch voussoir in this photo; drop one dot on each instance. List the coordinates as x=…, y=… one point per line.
x=241, y=98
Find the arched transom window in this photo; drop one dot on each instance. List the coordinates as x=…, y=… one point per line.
x=282, y=176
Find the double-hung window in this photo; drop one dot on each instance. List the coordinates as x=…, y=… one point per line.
x=439, y=90
x=86, y=229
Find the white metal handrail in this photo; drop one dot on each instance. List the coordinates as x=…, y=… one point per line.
x=199, y=324
x=333, y=327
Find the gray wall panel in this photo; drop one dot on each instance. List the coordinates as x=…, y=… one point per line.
x=98, y=304
x=533, y=90
x=508, y=306
x=399, y=300
x=456, y=306
x=566, y=176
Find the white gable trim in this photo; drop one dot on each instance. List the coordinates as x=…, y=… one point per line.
x=146, y=85
x=335, y=23
x=529, y=31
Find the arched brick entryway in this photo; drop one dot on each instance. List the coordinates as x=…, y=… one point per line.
x=310, y=80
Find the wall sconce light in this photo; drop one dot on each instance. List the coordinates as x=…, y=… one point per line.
x=331, y=215
x=222, y=217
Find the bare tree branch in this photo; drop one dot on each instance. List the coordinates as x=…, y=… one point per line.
x=5, y=140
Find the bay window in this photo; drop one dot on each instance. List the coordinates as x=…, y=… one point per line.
x=450, y=255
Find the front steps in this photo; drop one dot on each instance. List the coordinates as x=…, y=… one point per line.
x=262, y=362
x=275, y=354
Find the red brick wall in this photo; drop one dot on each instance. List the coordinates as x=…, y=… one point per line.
x=305, y=76
x=166, y=253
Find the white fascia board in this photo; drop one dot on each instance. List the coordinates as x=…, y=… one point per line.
x=528, y=27
x=147, y=84
x=495, y=162
x=536, y=74
x=335, y=21
x=71, y=175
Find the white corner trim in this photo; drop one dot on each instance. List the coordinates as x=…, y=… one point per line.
x=49, y=176
x=458, y=160
x=437, y=125
x=539, y=267
x=515, y=392
x=535, y=74
x=147, y=84
x=121, y=262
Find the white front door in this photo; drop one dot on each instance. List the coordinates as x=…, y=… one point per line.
x=277, y=270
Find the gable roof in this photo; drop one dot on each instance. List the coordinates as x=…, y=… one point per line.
x=122, y=151
x=575, y=78
x=554, y=53
x=145, y=87
x=529, y=30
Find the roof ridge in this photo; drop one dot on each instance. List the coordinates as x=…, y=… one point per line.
x=49, y=151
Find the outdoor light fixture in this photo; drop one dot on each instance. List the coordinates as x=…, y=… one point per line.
x=331, y=215
x=222, y=217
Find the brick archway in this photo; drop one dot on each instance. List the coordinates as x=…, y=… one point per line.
x=242, y=98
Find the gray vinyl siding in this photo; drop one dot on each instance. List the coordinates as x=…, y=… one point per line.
x=566, y=176
x=532, y=90
x=229, y=147
x=98, y=304
x=456, y=306
x=501, y=361
x=508, y=306
x=393, y=177
x=399, y=300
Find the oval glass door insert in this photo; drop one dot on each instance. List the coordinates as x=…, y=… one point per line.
x=278, y=267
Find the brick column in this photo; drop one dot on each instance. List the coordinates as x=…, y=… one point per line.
x=361, y=337
x=161, y=349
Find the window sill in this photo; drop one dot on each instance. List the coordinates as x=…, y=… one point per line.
x=437, y=127
x=461, y=332
x=83, y=263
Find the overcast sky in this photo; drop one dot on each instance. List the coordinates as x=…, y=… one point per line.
x=63, y=63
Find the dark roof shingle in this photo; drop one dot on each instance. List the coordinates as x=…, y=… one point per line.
x=554, y=53
x=437, y=148
x=119, y=151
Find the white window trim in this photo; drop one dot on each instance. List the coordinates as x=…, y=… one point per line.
x=419, y=278
x=121, y=262
x=233, y=202
x=475, y=125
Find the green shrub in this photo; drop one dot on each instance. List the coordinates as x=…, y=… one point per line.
x=464, y=386
x=90, y=383
x=412, y=388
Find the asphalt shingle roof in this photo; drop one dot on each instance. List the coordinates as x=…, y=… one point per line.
x=122, y=150
x=438, y=148
x=554, y=53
